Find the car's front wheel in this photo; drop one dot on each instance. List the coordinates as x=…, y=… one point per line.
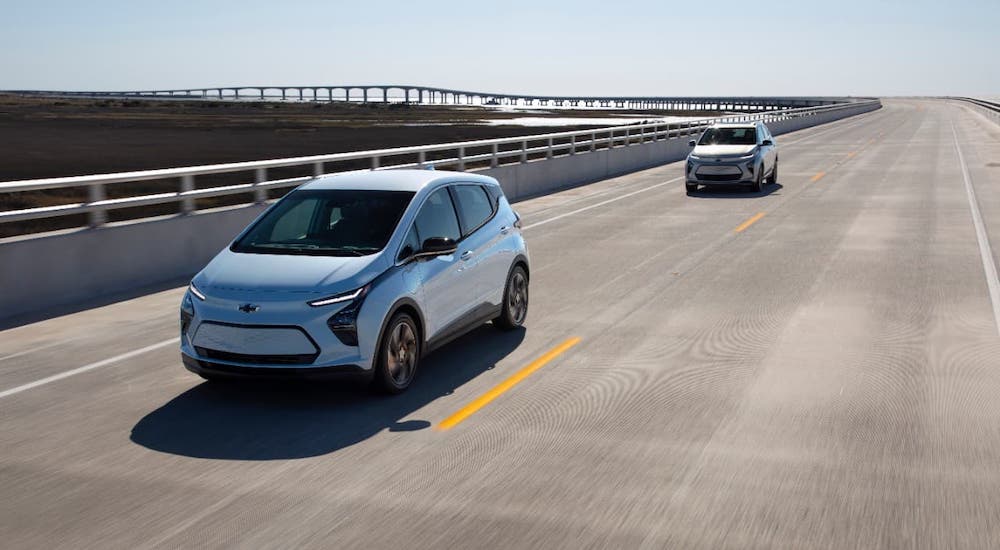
x=398, y=354
x=515, y=300
x=758, y=179
x=773, y=178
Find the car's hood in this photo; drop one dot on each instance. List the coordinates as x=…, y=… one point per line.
x=244, y=272
x=722, y=150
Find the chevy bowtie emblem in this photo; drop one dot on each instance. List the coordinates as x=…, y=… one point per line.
x=249, y=308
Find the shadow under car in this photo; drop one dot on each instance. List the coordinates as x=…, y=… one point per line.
x=722, y=191
x=251, y=420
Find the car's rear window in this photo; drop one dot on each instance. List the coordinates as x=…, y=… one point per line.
x=729, y=136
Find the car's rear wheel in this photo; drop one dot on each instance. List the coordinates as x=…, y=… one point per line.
x=398, y=356
x=691, y=187
x=756, y=186
x=515, y=300
x=773, y=178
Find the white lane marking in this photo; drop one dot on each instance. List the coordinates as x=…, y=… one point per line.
x=602, y=203
x=985, y=251
x=90, y=367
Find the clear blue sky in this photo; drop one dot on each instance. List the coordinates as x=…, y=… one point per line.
x=837, y=47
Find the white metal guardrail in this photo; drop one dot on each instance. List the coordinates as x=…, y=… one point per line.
x=989, y=109
x=463, y=156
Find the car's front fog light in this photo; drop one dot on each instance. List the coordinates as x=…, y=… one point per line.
x=187, y=313
x=344, y=323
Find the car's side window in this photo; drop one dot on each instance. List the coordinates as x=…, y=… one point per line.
x=437, y=217
x=474, y=206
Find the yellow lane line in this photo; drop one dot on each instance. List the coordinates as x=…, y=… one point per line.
x=817, y=177
x=851, y=154
x=749, y=222
x=507, y=384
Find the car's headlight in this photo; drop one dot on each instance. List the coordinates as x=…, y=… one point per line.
x=694, y=157
x=344, y=323
x=342, y=297
x=197, y=293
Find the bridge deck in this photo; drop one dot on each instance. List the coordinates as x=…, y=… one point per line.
x=825, y=377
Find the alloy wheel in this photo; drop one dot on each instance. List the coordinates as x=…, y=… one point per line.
x=402, y=353
x=517, y=298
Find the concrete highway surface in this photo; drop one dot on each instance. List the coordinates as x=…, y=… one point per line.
x=813, y=366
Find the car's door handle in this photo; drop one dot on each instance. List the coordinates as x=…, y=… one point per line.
x=504, y=229
x=466, y=255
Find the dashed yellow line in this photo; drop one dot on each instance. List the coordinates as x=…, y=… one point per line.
x=483, y=400
x=748, y=223
x=817, y=177
x=851, y=154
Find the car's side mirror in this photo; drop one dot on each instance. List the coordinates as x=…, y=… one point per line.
x=766, y=143
x=691, y=143
x=438, y=246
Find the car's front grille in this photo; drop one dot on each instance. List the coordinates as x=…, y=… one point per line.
x=300, y=359
x=719, y=177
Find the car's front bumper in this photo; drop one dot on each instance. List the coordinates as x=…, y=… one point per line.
x=282, y=338
x=709, y=171
x=213, y=369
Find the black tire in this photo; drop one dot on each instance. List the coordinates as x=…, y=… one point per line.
x=515, y=300
x=773, y=178
x=756, y=186
x=398, y=355
x=691, y=187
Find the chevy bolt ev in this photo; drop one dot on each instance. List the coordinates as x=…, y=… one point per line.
x=358, y=274
x=740, y=153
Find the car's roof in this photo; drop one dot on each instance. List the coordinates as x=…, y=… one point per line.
x=393, y=180
x=735, y=125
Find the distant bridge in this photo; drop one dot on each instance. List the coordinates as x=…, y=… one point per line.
x=428, y=95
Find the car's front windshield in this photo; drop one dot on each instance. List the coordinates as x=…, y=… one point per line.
x=327, y=223
x=729, y=136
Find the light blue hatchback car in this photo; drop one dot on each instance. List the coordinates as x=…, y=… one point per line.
x=358, y=274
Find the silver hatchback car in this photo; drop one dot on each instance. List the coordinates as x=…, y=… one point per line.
x=733, y=153
x=358, y=274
